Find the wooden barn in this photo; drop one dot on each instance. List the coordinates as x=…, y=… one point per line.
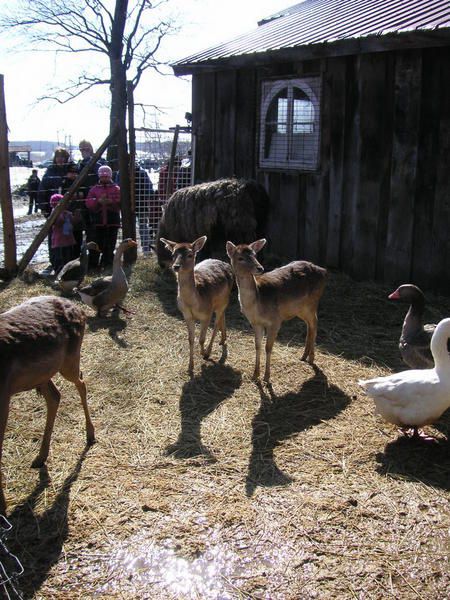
x=341, y=108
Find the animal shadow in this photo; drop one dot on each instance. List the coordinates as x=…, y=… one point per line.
x=200, y=397
x=166, y=291
x=417, y=460
x=114, y=324
x=39, y=538
x=280, y=417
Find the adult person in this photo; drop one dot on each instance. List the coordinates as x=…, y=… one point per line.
x=52, y=183
x=87, y=151
x=77, y=206
x=166, y=187
x=32, y=189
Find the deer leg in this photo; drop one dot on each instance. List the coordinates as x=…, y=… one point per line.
x=311, y=334
x=203, y=331
x=223, y=329
x=219, y=323
x=4, y=411
x=271, y=336
x=52, y=397
x=90, y=432
x=71, y=371
x=259, y=333
x=191, y=336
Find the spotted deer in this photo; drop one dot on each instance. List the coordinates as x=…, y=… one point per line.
x=38, y=339
x=203, y=289
x=268, y=299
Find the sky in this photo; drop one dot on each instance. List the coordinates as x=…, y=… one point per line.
x=29, y=74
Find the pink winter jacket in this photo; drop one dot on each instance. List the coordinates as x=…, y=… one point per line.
x=59, y=238
x=106, y=215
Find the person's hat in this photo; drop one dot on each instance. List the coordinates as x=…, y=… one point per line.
x=55, y=199
x=105, y=171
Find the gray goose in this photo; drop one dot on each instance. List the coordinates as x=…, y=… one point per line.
x=415, y=338
x=73, y=272
x=106, y=293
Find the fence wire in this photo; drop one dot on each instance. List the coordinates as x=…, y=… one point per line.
x=10, y=566
x=153, y=151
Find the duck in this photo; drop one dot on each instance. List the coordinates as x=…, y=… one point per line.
x=414, y=398
x=414, y=343
x=73, y=272
x=106, y=293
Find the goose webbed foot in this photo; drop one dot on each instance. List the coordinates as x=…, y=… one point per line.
x=416, y=434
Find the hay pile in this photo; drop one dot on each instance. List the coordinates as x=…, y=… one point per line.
x=215, y=487
x=226, y=209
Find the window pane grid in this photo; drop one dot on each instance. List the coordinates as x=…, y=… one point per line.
x=290, y=124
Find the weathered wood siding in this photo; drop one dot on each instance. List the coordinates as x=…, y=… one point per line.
x=378, y=207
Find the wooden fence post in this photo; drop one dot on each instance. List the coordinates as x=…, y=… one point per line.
x=131, y=253
x=173, y=152
x=9, y=234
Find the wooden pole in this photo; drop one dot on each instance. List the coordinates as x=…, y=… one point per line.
x=63, y=204
x=9, y=234
x=173, y=152
x=132, y=146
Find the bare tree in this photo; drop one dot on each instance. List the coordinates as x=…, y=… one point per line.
x=125, y=33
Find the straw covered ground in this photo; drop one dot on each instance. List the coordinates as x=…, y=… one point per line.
x=217, y=487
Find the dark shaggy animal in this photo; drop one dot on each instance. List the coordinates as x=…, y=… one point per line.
x=227, y=209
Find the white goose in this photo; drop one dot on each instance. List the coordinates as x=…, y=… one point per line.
x=411, y=399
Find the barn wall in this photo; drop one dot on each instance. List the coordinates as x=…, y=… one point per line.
x=378, y=207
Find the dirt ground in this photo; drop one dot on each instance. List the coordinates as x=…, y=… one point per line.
x=217, y=487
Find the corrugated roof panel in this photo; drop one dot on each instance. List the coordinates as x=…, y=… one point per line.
x=320, y=21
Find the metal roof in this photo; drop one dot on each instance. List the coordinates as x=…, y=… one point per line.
x=328, y=21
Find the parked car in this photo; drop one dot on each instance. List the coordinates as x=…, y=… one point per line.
x=149, y=163
x=45, y=164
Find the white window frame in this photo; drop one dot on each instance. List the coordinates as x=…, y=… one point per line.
x=283, y=159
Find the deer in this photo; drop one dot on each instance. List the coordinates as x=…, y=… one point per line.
x=39, y=338
x=268, y=299
x=203, y=289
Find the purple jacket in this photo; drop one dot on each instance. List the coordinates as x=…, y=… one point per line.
x=104, y=215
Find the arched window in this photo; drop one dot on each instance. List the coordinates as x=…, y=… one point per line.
x=290, y=124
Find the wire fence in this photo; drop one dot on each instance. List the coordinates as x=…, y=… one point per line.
x=156, y=177
x=154, y=148
x=10, y=566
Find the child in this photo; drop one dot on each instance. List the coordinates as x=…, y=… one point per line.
x=103, y=202
x=62, y=238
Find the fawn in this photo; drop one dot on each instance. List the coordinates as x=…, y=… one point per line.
x=203, y=289
x=268, y=299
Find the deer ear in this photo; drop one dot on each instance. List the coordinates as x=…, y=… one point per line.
x=258, y=245
x=168, y=244
x=199, y=243
x=230, y=249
